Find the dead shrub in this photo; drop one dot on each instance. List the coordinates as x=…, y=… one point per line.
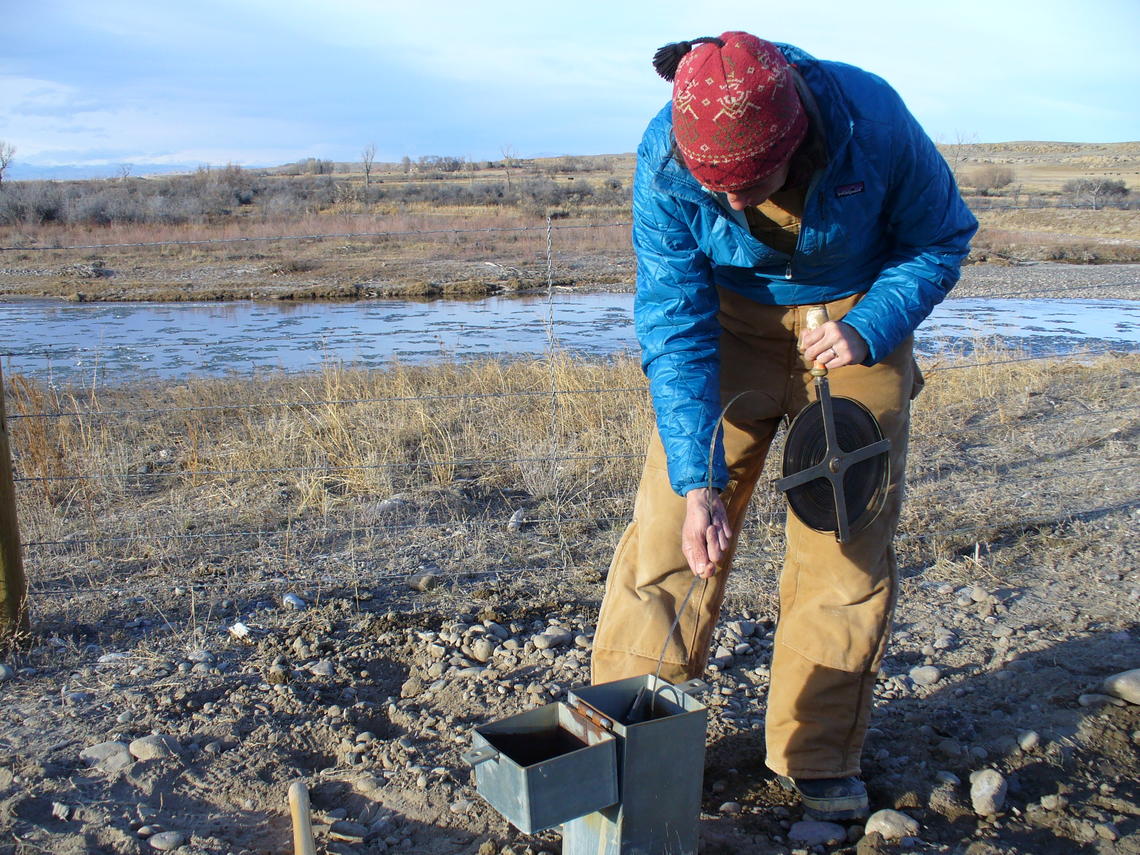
x=986, y=179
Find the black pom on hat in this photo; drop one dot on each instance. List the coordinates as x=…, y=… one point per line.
x=667, y=58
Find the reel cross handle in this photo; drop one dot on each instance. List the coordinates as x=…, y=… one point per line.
x=835, y=462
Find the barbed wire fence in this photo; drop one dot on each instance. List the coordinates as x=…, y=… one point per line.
x=124, y=526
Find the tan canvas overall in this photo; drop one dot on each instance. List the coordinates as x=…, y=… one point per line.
x=835, y=600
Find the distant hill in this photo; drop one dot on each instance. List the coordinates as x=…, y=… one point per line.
x=1046, y=166
x=1039, y=165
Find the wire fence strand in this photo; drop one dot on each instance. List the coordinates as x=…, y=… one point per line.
x=967, y=535
x=556, y=521
x=930, y=370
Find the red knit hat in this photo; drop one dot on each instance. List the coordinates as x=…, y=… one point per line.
x=736, y=114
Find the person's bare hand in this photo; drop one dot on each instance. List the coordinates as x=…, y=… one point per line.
x=834, y=344
x=706, y=533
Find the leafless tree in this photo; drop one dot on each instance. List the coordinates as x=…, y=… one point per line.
x=509, y=159
x=366, y=158
x=7, y=151
x=957, y=152
x=1096, y=191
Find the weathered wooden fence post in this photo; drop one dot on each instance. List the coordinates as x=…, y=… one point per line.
x=13, y=583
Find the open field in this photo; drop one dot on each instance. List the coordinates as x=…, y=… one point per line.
x=1045, y=167
x=233, y=234
x=396, y=542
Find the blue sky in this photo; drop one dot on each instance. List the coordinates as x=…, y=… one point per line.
x=88, y=82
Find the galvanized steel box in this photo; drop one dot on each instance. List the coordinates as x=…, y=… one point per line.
x=544, y=767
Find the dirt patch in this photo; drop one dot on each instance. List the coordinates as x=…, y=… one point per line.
x=375, y=716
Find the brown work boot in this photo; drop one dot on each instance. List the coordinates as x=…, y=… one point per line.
x=829, y=799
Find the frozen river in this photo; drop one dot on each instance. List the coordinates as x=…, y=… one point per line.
x=109, y=342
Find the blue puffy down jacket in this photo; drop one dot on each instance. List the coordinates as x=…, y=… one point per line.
x=883, y=218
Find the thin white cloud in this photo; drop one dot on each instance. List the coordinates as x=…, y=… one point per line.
x=30, y=96
x=136, y=131
x=270, y=80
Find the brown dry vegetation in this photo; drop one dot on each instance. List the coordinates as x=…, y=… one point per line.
x=1045, y=167
x=335, y=437
x=1077, y=235
x=1051, y=223
x=217, y=235
x=211, y=455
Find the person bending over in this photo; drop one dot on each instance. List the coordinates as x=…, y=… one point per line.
x=774, y=181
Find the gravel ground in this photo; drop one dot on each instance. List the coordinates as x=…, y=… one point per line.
x=995, y=731
x=1045, y=280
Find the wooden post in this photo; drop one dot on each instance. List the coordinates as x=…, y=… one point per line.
x=13, y=583
x=303, y=843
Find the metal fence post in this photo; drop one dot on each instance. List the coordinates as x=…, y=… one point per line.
x=13, y=583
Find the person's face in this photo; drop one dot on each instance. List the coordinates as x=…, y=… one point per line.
x=761, y=190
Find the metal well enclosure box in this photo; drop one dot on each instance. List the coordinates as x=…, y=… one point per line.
x=618, y=766
x=660, y=770
x=544, y=767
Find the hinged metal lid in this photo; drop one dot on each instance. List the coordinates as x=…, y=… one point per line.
x=544, y=767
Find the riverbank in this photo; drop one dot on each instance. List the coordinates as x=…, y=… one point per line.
x=336, y=576
x=1048, y=280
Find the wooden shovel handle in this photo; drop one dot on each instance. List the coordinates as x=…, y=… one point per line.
x=303, y=843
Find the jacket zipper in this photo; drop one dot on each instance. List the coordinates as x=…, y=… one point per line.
x=799, y=238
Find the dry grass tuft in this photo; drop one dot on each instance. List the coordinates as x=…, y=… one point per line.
x=350, y=474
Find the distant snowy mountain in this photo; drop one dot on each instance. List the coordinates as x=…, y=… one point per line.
x=32, y=172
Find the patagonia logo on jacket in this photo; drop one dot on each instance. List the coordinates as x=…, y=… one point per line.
x=849, y=189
